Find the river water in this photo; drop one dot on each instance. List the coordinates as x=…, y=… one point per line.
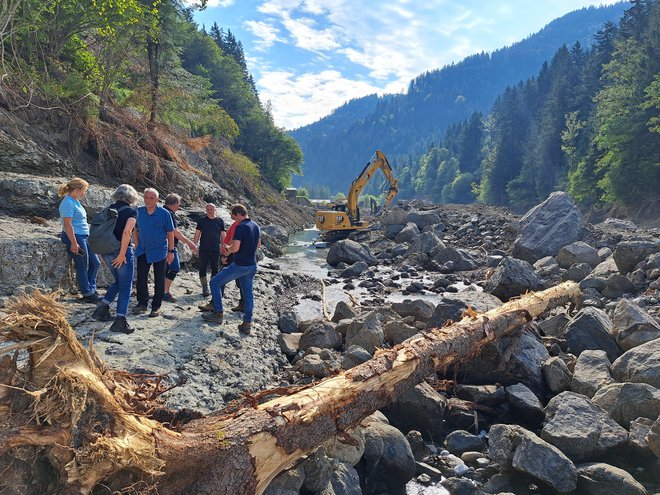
x=306, y=254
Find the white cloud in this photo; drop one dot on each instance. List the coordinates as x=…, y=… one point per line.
x=300, y=100
x=216, y=3
x=307, y=37
x=265, y=34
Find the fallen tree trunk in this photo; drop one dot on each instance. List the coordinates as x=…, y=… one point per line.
x=240, y=452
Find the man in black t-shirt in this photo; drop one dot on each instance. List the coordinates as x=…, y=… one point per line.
x=172, y=204
x=210, y=233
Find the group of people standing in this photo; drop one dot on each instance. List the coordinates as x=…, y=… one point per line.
x=148, y=238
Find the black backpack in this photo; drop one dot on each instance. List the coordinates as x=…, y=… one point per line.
x=102, y=238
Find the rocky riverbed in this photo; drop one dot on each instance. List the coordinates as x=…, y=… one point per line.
x=569, y=404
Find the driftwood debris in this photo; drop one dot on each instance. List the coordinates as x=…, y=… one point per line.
x=70, y=424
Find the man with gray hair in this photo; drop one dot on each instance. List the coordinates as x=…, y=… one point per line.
x=172, y=204
x=155, y=246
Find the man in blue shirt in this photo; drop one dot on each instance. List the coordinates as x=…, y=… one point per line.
x=243, y=267
x=155, y=246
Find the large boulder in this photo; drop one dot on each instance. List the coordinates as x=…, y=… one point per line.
x=344, y=480
x=388, y=463
x=591, y=328
x=349, y=252
x=276, y=232
x=514, y=447
x=626, y=402
x=548, y=227
x=512, y=278
x=525, y=403
x=598, y=478
x=580, y=429
x=639, y=365
x=578, y=252
x=632, y=326
x=591, y=373
x=322, y=335
x=460, y=259
x=517, y=358
x=395, y=216
x=419, y=309
x=426, y=243
x=423, y=218
x=557, y=375
x=407, y=234
x=421, y=408
x=653, y=438
x=628, y=253
x=365, y=332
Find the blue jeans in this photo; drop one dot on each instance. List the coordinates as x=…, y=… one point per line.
x=245, y=275
x=87, y=266
x=123, y=281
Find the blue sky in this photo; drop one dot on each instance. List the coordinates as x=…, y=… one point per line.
x=310, y=56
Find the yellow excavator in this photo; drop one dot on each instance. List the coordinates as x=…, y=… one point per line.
x=345, y=218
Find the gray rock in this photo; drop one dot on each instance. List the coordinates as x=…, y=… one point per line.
x=289, y=343
x=395, y=216
x=460, y=486
x=366, y=333
x=397, y=331
x=419, y=309
x=525, y=403
x=343, y=311
x=513, y=359
x=598, y=478
x=512, y=278
x=591, y=329
x=348, y=448
x=426, y=243
x=591, y=373
x=277, y=232
x=487, y=395
x=391, y=231
x=355, y=270
x=423, y=218
x=417, y=445
x=322, y=335
x=420, y=408
x=616, y=285
x=461, y=259
x=452, y=306
x=514, y=447
x=350, y=252
x=578, y=252
x=548, y=227
x=546, y=266
x=640, y=364
x=344, y=480
x=626, y=402
x=317, y=468
x=460, y=441
x=557, y=375
x=637, y=438
x=407, y=234
x=580, y=429
x=388, y=463
x=353, y=356
x=288, y=322
x=314, y=365
x=592, y=281
x=554, y=326
x=577, y=272
x=288, y=482
x=629, y=253
x=632, y=326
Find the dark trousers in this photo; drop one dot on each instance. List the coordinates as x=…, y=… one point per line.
x=142, y=282
x=206, y=257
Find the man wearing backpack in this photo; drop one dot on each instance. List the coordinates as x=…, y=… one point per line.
x=121, y=260
x=155, y=246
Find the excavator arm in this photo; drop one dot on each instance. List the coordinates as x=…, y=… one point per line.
x=377, y=162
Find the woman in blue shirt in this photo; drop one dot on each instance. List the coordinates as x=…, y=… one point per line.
x=75, y=232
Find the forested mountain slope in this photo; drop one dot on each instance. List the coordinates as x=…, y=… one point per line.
x=406, y=124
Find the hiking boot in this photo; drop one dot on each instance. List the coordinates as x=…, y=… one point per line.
x=204, y=281
x=92, y=298
x=154, y=313
x=102, y=312
x=121, y=325
x=245, y=328
x=238, y=309
x=213, y=317
x=207, y=307
x=139, y=309
x=169, y=298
